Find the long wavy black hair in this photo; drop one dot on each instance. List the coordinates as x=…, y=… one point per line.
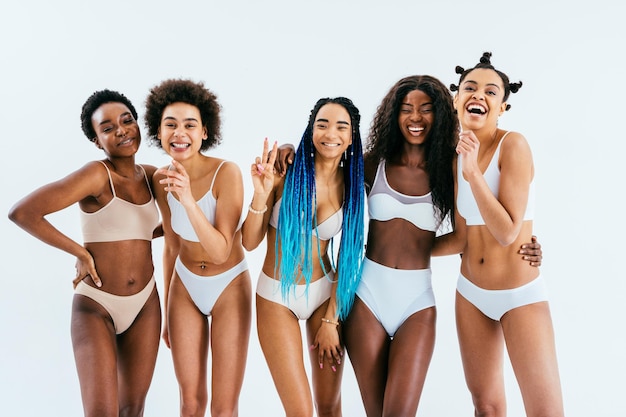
x=385, y=140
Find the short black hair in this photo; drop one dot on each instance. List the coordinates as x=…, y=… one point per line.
x=96, y=100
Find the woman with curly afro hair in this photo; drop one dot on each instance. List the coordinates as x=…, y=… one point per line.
x=206, y=279
x=116, y=314
x=500, y=301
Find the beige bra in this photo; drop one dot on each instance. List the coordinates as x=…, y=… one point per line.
x=120, y=219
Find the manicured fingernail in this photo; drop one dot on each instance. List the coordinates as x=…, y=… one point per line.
x=321, y=365
x=333, y=368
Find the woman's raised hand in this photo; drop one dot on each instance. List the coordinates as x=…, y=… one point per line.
x=262, y=169
x=177, y=181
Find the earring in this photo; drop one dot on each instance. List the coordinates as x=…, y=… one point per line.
x=343, y=158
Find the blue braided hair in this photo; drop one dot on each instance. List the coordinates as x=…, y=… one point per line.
x=296, y=219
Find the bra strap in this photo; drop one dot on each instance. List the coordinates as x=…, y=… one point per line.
x=110, y=178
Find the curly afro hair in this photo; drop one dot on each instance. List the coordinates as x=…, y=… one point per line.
x=96, y=100
x=183, y=91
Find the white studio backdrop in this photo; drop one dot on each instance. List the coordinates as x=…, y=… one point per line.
x=269, y=62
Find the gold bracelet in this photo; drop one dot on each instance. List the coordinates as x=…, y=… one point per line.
x=325, y=320
x=253, y=211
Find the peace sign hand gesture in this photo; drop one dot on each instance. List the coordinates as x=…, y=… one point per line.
x=262, y=170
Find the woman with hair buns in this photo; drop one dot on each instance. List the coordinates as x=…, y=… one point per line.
x=500, y=301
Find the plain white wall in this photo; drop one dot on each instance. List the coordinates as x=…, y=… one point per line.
x=269, y=62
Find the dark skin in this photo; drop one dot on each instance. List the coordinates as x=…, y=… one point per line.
x=114, y=370
x=391, y=371
x=530, y=252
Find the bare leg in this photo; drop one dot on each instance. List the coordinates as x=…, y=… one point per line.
x=482, y=348
x=530, y=342
x=137, y=351
x=409, y=357
x=189, y=340
x=93, y=340
x=326, y=382
x=281, y=341
x=230, y=334
x=367, y=344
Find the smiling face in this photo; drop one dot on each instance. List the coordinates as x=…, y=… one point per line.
x=181, y=131
x=480, y=99
x=332, y=131
x=117, y=132
x=416, y=117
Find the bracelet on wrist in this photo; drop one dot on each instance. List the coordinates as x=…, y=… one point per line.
x=253, y=211
x=329, y=321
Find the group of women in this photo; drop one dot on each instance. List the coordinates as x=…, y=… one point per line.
x=430, y=159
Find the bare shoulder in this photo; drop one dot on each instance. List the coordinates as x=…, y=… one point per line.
x=227, y=171
x=513, y=140
x=149, y=169
x=227, y=176
x=515, y=151
x=92, y=175
x=370, y=166
x=85, y=184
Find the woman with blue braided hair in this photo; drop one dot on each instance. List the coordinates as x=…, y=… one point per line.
x=321, y=196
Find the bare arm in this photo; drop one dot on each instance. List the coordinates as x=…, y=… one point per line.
x=217, y=240
x=171, y=249
x=503, y=215
x=263, y=179
x=454, y=242
x=30, y=213
x=283, y=157
x=327, y=339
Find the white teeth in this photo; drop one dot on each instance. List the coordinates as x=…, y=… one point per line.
x=180, y=145
x=477, y=109
x=416, y=129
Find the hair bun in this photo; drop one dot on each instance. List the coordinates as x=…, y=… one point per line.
x=454, y=87
x=486, y=58
x=459, y=69
x=514, y=87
